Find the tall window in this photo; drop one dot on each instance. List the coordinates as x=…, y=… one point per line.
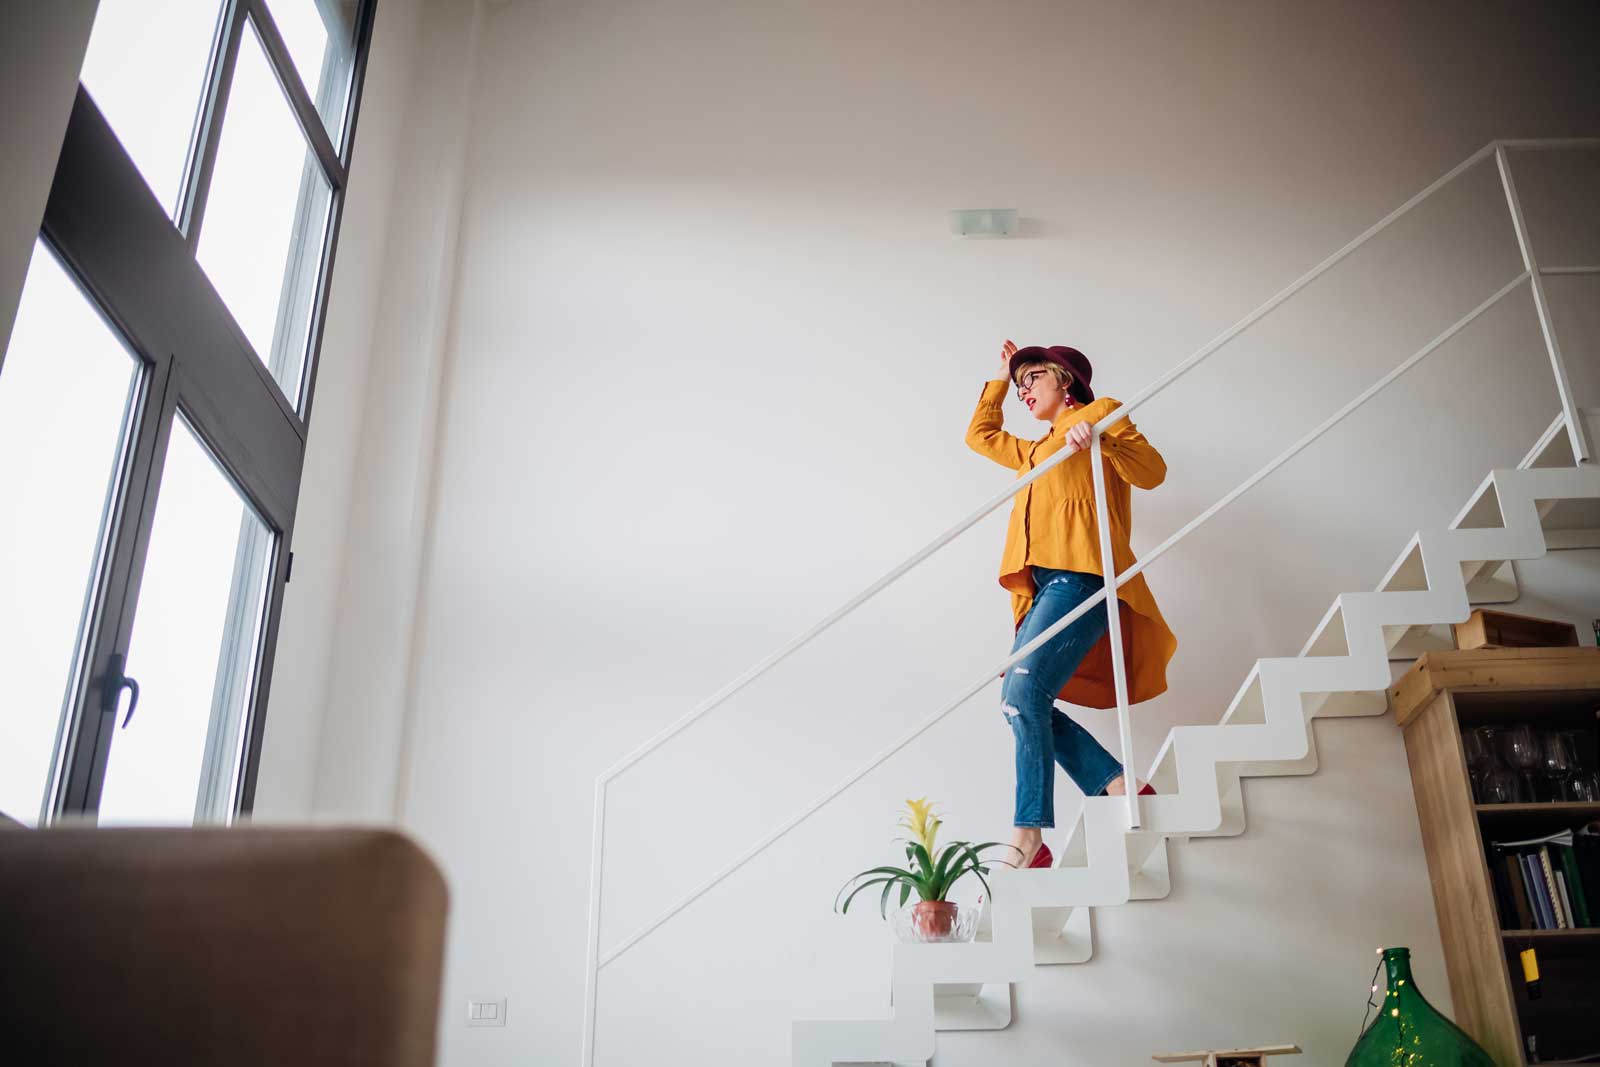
x=154, y=400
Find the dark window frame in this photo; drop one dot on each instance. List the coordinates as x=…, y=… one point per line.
x=137, y=265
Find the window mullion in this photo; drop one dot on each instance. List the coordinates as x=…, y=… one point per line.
x=208, y=133
x=300, y=102
x=363, y=44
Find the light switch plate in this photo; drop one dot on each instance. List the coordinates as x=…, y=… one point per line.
x=485, y=1012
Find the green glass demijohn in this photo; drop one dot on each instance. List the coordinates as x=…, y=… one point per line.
x=1410, y=1032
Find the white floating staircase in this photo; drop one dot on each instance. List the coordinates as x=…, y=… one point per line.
x=1042, y=917
x=1117, y=851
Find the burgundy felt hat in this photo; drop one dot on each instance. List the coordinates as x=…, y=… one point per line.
x=1075, y=362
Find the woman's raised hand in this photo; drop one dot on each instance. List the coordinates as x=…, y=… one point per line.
x=1006, y=352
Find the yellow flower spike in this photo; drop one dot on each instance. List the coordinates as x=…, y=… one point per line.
x=922, y=824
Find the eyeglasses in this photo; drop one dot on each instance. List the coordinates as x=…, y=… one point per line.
x=1027, y=380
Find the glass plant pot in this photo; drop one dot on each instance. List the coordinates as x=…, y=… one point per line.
x=935, y=922
x=1410, y=1032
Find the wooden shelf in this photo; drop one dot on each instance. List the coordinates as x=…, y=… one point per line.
x=1551, y=935
x=1533, y=820
x=1498, y=671
x=1445, y=694
x=1582, y=809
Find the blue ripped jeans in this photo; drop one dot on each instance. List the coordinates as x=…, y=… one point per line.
x=1044, y=735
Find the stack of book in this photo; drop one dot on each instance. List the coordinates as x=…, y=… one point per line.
x=1548, y=883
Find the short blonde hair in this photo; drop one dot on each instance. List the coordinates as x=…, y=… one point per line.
x=1063, y=377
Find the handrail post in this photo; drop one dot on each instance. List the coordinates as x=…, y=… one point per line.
x=1558, y=366
x=597, y=859
x=1108, y=570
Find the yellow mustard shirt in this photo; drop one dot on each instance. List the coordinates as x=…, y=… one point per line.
x=1053, y=525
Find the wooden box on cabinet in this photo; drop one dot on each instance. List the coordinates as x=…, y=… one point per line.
x=1486, y=628
x=1444, y=693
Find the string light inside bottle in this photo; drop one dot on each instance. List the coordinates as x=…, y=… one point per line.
x=1370, y=1002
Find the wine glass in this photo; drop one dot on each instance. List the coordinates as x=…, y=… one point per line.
x=1584, y=786
x=1501, y=785
x=1560, y=759
x=1581, y=742
x=1479, y=753
x=1522, y=753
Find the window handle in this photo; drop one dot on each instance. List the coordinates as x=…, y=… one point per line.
x=113, y=684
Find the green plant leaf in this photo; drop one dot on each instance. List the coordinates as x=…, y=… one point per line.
x=887, y=870
x=943, y=876
x=864, y=874
x=966, y=857
x=865, y=885
x=966, y=860
x=883, y=901
x=978, y=871
x=974, y=853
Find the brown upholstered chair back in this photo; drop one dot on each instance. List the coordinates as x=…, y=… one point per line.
x=243, y=946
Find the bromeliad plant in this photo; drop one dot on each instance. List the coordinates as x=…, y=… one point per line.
x=929, y=872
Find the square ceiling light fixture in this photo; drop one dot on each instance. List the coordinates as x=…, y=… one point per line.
x=984, y=222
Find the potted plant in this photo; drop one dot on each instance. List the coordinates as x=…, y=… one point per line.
x=929, y=872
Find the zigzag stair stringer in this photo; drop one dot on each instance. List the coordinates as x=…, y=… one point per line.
x=1198, y=771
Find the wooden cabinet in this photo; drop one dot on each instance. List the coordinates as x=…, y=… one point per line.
x=1442, y=695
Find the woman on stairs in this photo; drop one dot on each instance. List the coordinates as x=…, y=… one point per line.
x=1051, y=564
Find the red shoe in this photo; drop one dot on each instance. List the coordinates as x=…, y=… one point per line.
x=1042, y=858
x=1146, y=791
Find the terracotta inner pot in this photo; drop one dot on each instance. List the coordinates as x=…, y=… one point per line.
x=933, y=918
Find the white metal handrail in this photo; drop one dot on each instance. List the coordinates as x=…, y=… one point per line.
x=1575, y=427
x=1531, y=273
x=1120, y=579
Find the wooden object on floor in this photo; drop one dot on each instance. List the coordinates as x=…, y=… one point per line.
x=1233, y=1057
x=1491, y=668
x=1501, y=629
x=1442, y=695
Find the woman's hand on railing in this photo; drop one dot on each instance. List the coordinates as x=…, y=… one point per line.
x=1079, y=436
x=1004, y=373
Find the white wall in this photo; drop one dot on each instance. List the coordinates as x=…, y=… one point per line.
x=369, y=677
x=1562, y=585
x=287, y=779
x=41, y=52
x=705, y=372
